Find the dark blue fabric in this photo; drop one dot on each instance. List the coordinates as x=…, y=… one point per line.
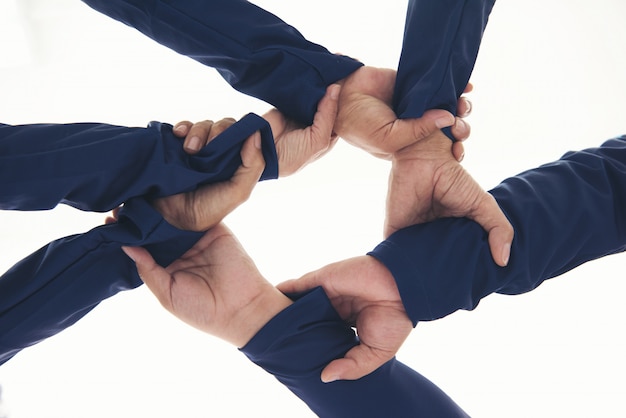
x=256, y=52
x=96, y=167
x=262, y=56
x=57, y=285
x=564, y=214
x=441, y=42
x=301, y=340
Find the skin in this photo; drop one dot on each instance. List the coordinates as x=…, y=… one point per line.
x=426, y=182
x=214, y=287
x=426, y=179
x=296, y=146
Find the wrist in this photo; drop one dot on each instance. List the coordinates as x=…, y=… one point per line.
x=264, y=306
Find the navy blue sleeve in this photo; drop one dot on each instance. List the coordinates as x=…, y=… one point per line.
x=97, y=167
x=59, y=284
x=301, y=340
x=256, y=52
x=441, y=42
x=564, y=214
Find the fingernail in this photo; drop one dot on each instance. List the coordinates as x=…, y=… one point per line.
x=469, y=107
x=330, y=379
x=460, y=124
x=444, y=121
x=334, y=91
x=194, y=144
x=506, y=253
x=462, y=157
x=181, y=129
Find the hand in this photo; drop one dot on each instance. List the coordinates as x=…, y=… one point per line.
x=206, y=206
x=298, y=146
x=366, y=119
x=197, y=135
x=364, y=294
x=421, y=187
x=214, y=287
x=426, y=183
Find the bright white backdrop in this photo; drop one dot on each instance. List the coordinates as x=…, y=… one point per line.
x=550, y=78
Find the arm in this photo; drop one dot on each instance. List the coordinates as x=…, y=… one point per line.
x=295, y=346
x=216, y=288
x=97, y=167
x=255, y=51
x=59, y=284
x=441, y=42
x=564, y=213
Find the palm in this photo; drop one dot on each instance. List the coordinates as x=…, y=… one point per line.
x=210, y=284
x=365, y=295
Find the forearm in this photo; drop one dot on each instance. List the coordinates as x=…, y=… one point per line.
x=301, y=340
x=97, y=167
x=256, y=52
x=564, y=214
x=60, y=283
x=441, y=42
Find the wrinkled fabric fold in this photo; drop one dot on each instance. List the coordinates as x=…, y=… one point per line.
x=564, y=213
x=302, y=339
x=97, y=167
x=60, y=283
x=256, y=52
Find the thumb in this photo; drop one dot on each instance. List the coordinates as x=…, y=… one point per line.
x=501, y=233
x=153, y=275
x=409, y=131
x=252, y=161
x=324, y=119
x=358, y=362
x=306, y=282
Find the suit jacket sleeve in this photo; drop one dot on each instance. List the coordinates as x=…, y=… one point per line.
x=256, y=52
x=564, y=214
x=97, y=167
x=302, y=339
x=57, y=285
x=441, y=42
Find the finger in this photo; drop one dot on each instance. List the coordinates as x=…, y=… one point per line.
x=463, y=107
x=307, y=282
x=461, y=130
x=408, y=131
x=358, y=362
x=501, y=233
x=219, y=127
x=198, y=136
x=251, y=154
x=469, y=88
x=115, y=213
x=252, y=164
x=324, y=119
x=213, y=202
x=458, y=151
x=154, y=276
x=181, y=128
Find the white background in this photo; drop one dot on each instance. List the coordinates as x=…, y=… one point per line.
x=549, y=78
